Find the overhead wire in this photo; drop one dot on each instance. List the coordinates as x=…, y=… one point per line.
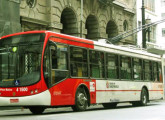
x=133, y=31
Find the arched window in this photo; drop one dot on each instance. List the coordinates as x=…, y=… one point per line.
x=111, y=29
x=92, y=27
x=125, y=25
x=69, y=22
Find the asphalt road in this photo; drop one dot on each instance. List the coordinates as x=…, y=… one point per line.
x=154, y=111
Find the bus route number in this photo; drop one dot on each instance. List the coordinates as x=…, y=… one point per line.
x=22, y=89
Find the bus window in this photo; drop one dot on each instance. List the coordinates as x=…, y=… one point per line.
x=125, y=67
x=112, y=66
x=137, y=69
x=160, y=72
x=8, y=67
x=147, y=70
x=54, y=58
x=78, y=62
x=96, y=64
x=59, y=63
x=155, y=71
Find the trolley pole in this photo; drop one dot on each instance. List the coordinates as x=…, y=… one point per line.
x=143, y=23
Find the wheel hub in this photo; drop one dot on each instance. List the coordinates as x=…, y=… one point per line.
x=82, y=99
x=144, y=99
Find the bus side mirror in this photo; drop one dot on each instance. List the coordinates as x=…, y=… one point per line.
x=51, y=43
x=57, y=50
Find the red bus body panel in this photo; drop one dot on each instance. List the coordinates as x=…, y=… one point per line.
x=66, y=39
x=23, y=91
x=64, y=93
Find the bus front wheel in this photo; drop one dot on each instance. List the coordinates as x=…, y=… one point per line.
x=81, y=100
x=37, y=110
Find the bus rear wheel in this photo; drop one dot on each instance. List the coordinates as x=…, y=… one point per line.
x=144, y=97
x=81, y=100
x=37, y=110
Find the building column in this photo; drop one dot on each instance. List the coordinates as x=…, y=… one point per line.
x=9, y=17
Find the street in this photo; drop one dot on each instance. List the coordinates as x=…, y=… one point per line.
x=154, y=111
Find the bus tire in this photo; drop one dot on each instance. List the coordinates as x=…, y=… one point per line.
x=81, y=100
x=37, y=110
x=109, y=105
x=144, y=97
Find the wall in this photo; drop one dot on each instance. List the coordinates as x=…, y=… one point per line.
x=99, y=20
x=9, y=17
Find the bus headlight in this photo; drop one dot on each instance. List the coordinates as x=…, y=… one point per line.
x=31, y=92
x=36, y=91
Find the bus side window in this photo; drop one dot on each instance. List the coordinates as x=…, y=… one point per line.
x=78, y=62
x=96, y=64
x=155, y=71
x=160, y=77
x=125, y=67
x=147, y=66
x=137, y=69
x=112, y=66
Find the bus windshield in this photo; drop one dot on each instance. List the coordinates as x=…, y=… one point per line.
x=20, y=58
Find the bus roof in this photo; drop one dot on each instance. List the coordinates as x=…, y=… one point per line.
x=103, y=46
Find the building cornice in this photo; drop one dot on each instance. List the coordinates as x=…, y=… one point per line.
x=124, y=6
x=36, y=21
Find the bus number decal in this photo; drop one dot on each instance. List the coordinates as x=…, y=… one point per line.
x=22, y=89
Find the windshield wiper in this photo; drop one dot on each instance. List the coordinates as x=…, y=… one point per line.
x=5, y=53
x=5, y=50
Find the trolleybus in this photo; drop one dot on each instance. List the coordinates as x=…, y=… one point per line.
x=43, y=69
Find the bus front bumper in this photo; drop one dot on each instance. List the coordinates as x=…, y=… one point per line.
x=43, y=99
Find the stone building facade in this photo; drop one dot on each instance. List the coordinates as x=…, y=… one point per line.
x=99, y=19
x=9, y=17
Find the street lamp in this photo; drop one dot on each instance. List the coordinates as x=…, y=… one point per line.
x=143, y=23
x=148, y=30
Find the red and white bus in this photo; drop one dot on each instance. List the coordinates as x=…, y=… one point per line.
x=42, y=69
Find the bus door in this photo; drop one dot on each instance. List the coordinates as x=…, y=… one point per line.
x=53, y=63
x=58, y=63
x=59, y=73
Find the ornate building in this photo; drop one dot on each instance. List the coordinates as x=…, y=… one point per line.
x=9, y=17
x=92, y=19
